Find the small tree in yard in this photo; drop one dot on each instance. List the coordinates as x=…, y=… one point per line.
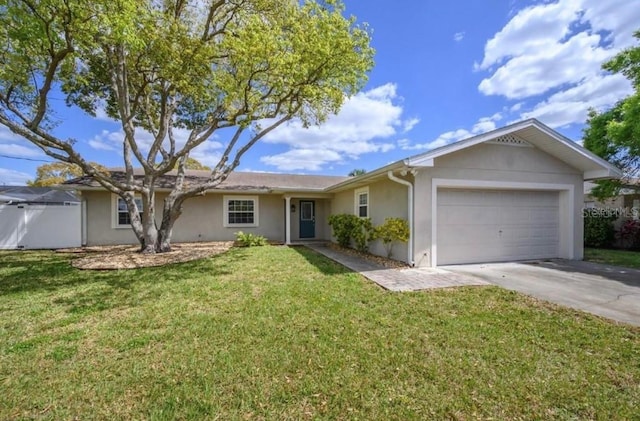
x=240, y=68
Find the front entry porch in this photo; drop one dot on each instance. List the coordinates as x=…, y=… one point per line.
x=306, y=219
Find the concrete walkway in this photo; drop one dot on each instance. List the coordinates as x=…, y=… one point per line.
x=410, y=279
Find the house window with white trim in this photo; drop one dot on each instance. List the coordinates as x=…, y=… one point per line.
x=240, y=211
x=362, y=202
x=122, y=219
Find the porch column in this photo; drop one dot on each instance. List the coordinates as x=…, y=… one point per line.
x=287, y=219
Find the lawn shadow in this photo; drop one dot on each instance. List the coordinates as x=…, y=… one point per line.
x=321, y=262
x=27, y=271
x=85, y=291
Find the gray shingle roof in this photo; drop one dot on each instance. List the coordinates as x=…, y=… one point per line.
x=27, y=194
x=241, y=181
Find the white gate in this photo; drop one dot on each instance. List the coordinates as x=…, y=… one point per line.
x=27, y=226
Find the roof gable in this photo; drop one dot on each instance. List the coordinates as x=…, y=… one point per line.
x=529, y=133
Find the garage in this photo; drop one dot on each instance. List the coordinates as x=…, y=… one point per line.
x=482, y=225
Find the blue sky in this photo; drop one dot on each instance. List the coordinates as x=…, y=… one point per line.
x=444, y=71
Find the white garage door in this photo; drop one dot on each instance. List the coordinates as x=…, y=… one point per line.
x=496, y=225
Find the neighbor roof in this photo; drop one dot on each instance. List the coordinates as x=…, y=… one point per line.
x=237, y=181
x=27, y=194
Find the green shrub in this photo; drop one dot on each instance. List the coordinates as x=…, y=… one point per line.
x=347, y=228
x=249, y=240
x=393, y=230
x=629, y=234
x=598, y=230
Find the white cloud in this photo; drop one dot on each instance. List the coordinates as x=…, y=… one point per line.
x=13, y=177
x=529, y=31
x=410, y=124
x=302, y=159
x=557, y=49
x=442, y=140
x=567, y=107
x=19, y=151
x=16, y=146
x=516, y=107
x=458, y=36
x=356, y=130
x=483, y=125
x=207, y=153
x=538, y=72
x=7, y=135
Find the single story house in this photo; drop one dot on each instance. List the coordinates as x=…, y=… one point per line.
x=39, y=218
x=514, y=193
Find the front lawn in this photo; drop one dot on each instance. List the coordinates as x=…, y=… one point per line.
x=283, y=333
x=630, y=259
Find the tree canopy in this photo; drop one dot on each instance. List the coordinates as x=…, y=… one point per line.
x=356, y=172
x=614, y=134
x=236, y=68
x=58, y=172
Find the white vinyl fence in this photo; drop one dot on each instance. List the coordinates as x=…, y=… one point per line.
x=25, y=226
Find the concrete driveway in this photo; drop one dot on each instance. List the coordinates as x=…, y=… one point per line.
x=607, y=291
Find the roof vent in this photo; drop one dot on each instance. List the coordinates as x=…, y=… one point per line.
x=510, y=140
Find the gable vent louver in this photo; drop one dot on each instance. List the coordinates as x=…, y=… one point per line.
x=510, y=140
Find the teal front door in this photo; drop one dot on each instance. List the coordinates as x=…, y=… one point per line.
x=307, y=219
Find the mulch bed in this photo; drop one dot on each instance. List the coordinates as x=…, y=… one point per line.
x=383, y=261
x=128, y=257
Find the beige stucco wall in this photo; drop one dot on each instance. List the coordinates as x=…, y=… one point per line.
x=201, y=220
x=387, y=199
x=498, y=163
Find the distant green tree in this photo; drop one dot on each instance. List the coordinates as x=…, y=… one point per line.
x=194, y=164
x=59, y=172
x=615, y=134
x=357, y=172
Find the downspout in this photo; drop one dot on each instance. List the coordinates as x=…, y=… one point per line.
x=409, y=213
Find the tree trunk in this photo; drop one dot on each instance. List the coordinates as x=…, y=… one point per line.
x=149, y=229
x=170, y=213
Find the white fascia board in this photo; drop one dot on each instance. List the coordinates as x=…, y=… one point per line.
x=602, y=174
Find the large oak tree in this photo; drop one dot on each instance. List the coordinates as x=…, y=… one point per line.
x=614, y=134
x=237, y=67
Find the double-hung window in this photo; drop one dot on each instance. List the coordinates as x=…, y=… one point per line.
x=240, y=211
x=362, y=202
x=121, y=218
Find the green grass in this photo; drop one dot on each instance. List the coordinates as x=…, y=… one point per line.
x=630, y=259
x=283, y=333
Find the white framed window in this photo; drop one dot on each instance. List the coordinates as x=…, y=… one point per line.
x=362, y=202
x=240, y=211
x=120, y=213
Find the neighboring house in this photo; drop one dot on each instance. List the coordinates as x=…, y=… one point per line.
x=626, y=205
x=511, y=194
x=39, y=218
